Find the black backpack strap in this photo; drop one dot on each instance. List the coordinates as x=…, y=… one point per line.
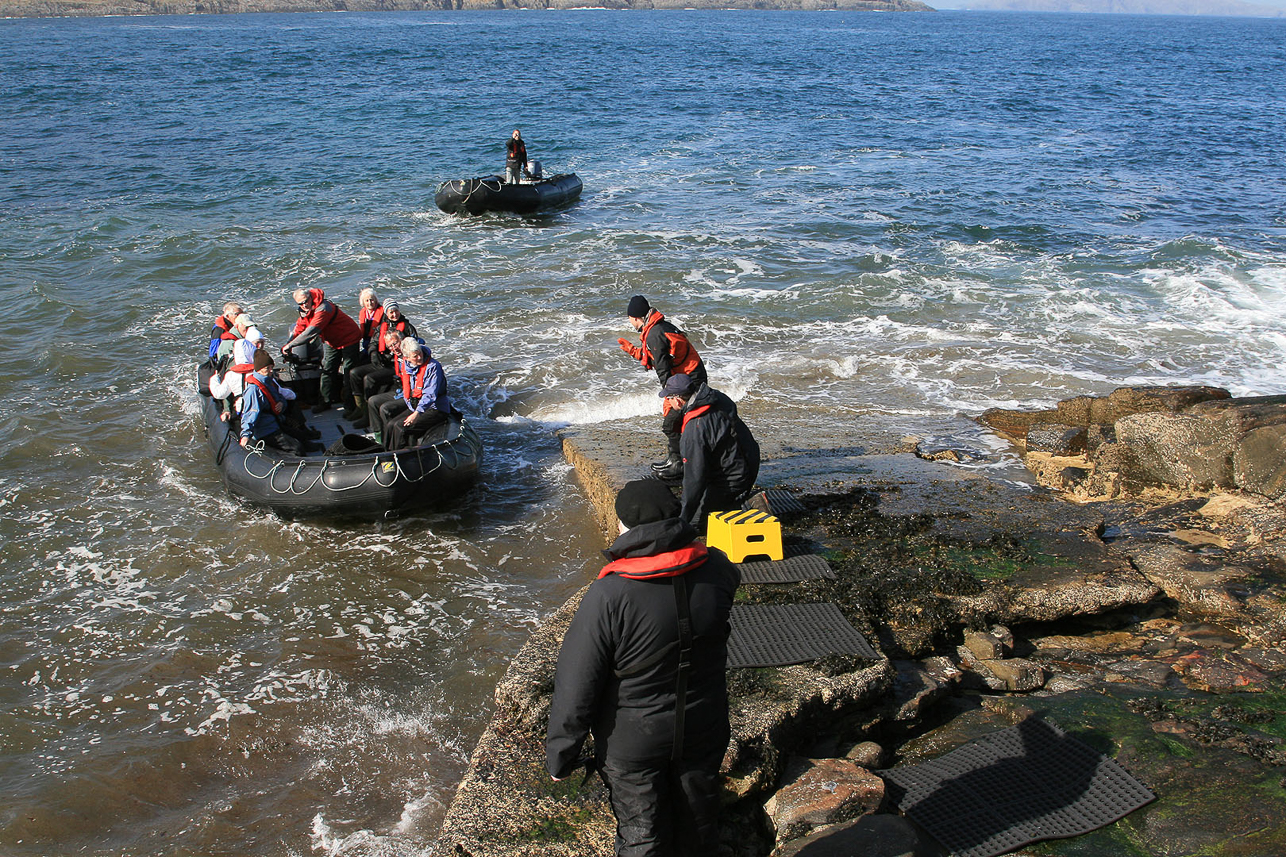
x=685, y=663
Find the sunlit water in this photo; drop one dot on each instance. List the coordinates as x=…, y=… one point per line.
x=882, y=218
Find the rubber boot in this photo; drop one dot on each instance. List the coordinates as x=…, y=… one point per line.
x=672, y=471
x=352, y=413
x=363, y=418
x=378, y=437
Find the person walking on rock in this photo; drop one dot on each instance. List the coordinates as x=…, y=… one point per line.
x=643, y=668
x=667, y=350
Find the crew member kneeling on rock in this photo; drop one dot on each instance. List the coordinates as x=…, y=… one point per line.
x=263, y=409
x=720, y=456
x=642, y=666
x=423, y=394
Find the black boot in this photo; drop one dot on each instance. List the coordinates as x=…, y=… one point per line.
x=673, y=469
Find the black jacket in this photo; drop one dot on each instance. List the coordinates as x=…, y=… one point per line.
x=661, y=352
x=610, y=680
x=720, y=456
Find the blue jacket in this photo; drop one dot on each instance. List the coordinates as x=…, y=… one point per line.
x=257, y=419
x=435, y=385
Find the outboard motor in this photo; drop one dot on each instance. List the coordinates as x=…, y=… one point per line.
x=533, y=170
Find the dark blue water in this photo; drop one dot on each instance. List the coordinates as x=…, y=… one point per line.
x=888, y=220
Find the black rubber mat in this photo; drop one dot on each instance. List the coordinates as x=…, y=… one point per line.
x=777, y=635
x=792, y=569
x=1018, y=786
x=775, y=501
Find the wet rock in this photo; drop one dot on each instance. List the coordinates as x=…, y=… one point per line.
x=1219, y=672
x=917, y=686
x=983, y=646
x=817, y=792
x=1016, y=675
x=1256, y=428
x=1056, y=439
x=867, y=754
x=1180, y=450
x=881, y=835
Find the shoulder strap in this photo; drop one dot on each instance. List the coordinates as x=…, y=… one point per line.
x=685, y=663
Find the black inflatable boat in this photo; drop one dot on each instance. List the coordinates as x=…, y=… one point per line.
x=366, y=482
x=490, y=193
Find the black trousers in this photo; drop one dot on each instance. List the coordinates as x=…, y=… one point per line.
x=672, y=426
x=400, y=436
x=665, y=809
x=336, y=364
x=379, y=405
x=369, y=379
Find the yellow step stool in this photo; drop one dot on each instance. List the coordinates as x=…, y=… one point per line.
x=745, y=533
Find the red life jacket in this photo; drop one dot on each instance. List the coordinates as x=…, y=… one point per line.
x=242, y=368
x=372, y=321
x=668, y=564
x=399, y=326
x=334, y=326
x=226, y=330
x=692, y=415
x=685, y=357
x=414, y=390
x=272, y=400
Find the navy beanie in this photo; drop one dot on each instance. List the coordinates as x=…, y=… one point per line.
x=638, y=307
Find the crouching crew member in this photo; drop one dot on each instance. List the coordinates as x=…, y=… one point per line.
x=422, y=403
x=668, y=351
x=720, y=456
x=263, y=410
x=228, y=387
x=642, y=667
x=340, y=336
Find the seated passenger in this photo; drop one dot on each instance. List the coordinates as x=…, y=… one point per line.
x=377, y=380
x=228, y=387
x=222, y=328
x=223, y=354
x=263, y=410
x=378, y=373
x=422, y=403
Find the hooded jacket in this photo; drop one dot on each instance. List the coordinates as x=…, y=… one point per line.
x=618, y=665
x=720, y=456
x=326, y=320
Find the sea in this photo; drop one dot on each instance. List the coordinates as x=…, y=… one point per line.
x=897, y=220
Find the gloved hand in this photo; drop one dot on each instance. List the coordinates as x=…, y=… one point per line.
x=631, y=349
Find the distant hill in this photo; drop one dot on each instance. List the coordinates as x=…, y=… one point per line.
x=82, y=8
x=1130, y=7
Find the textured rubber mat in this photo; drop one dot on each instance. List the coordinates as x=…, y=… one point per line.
x=777, y=635
x=777, y=502
x=792, y=569
x=1018, y=786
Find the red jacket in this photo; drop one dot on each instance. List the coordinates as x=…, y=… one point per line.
x=334, y=327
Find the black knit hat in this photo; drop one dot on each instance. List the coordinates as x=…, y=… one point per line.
x=638, y=307
x=645, y=501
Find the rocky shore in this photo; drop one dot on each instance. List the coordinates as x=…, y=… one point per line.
x=90, y=8
x=1135, y=595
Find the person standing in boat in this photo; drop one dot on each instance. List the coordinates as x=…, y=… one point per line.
x=340, y=336
x=515, y=158
x=668, y=351
x=263, y=410
x=423, y=402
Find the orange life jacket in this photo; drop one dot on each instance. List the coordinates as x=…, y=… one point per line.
x=272, y=400
x=414, y=389
x=668, y=564
x=693, y=414
x=685, y=357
